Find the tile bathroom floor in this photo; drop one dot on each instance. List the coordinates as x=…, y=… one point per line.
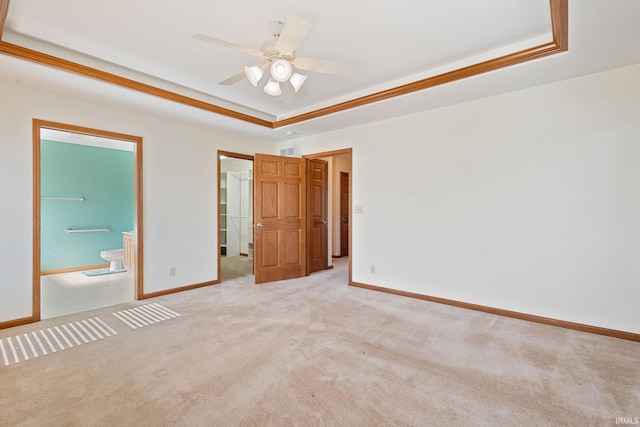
x=74, y=292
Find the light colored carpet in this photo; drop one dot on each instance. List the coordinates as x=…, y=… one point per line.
x=233, y=267
x=315, y=351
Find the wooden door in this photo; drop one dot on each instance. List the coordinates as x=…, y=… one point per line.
x=344, y=213
x=279, y=232
x=317, y=215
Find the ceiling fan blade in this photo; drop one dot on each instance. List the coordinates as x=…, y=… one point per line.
x=230, y=45
x=327, y=67
x=233, y=79
x=293, y=32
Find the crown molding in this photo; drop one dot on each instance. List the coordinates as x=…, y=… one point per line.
x=560, y=31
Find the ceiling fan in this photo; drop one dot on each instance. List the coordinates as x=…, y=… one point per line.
x=279, y=56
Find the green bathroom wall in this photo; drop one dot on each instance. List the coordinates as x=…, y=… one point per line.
x=104, y=177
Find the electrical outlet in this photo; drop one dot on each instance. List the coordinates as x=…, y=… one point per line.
x=372, y=268
x=172, y=271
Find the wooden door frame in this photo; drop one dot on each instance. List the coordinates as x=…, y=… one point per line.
x=349, y=152
x=234, y=156
x=37, y=185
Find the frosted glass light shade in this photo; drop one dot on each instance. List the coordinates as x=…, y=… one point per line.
x=280, y=70
x=254, y=74
x=297, y=80
x=273, y=88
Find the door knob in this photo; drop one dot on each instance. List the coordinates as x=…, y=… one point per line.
x=257, y=225
x=324, y=221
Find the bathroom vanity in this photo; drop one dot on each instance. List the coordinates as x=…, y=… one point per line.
x=128, y=244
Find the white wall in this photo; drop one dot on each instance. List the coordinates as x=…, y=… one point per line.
x=179, y=178
x=528, y=201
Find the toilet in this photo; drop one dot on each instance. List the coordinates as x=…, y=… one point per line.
x=115, y=257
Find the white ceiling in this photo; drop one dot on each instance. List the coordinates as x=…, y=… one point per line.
x=391, y=43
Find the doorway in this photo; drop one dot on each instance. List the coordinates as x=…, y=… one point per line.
x=276, y=251
x=235, y=207
x=279, y=198
x=87, y=225
x=339, y=189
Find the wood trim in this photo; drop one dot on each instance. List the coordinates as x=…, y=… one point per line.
x=87, y=131
x=37, y=223
x=138, y=236
x=72, y=269
x=440, y=79
x=180, y=289
x=507, y=313
x=332, y=153
x=63, y=64
x=560, y=29
x=559, y=22
x=234, y=155
x=17, y=322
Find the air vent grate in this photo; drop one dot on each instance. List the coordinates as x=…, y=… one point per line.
x=288, y=152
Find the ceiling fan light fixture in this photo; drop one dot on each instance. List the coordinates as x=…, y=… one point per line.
x=297, y=80
x=273, y=88
x=280, y=70
x=279, y=56
x=254, y=74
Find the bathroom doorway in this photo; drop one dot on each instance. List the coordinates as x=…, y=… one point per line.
x=235, y=207
x=87, y=219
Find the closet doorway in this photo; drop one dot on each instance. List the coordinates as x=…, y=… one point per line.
x=339, y=237
x=235, y=207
